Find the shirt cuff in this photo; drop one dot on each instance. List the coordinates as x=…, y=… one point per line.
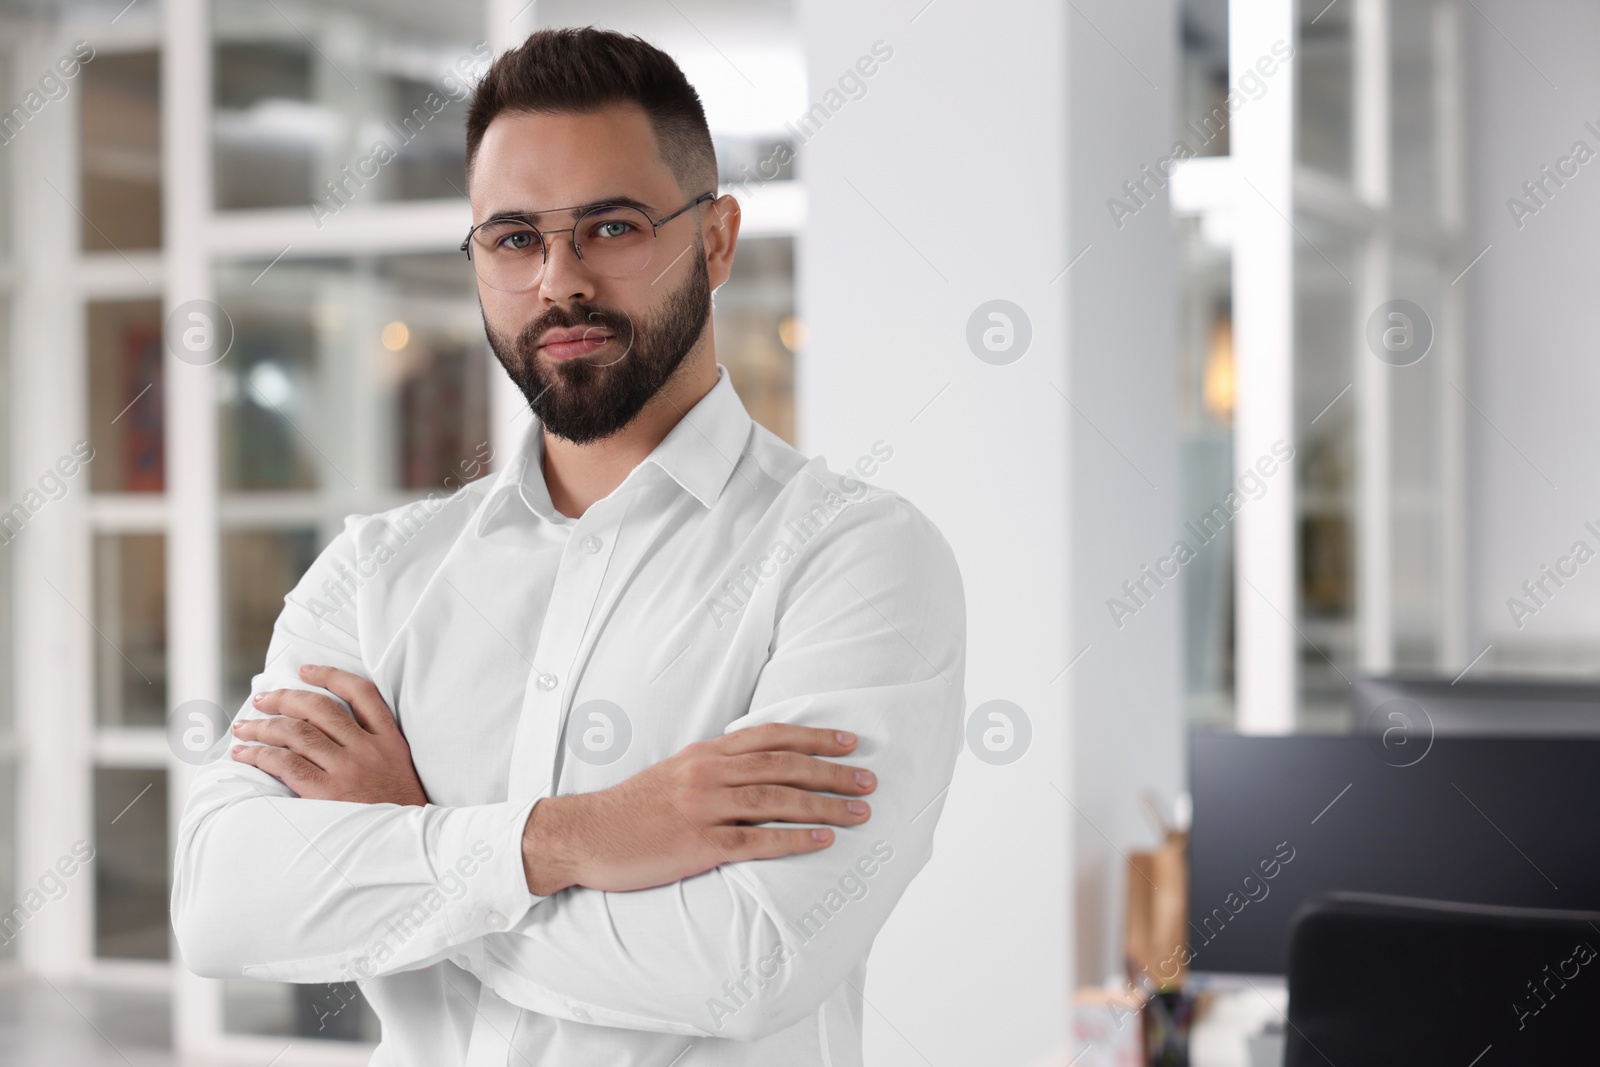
x=477, y=854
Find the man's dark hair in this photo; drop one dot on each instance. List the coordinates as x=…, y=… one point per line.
x=584, y=69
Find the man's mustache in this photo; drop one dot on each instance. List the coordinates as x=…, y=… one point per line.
x=618, y=324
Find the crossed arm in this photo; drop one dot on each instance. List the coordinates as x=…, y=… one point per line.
x=659, y=904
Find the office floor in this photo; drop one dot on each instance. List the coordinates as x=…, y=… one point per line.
x=48, y=1023
x=45, y=1022
x=52, y=1023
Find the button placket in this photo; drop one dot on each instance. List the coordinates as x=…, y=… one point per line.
x=492, y=1031
x=574, y=596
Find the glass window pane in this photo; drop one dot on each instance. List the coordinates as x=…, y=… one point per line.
x=453, y=378
x=364, y=376
x=1205, y=413
x=121, y=129
x=757, y=333
x=1413, y=73
x=130, y=863
x=1416, y=469
x=1202, y=108
x=259, y=567
x=749, y=160
x=125, y=397
x=266, y=382
x=1327, y=279
x=130, y=573
x=1324, y=99
x=332, y=104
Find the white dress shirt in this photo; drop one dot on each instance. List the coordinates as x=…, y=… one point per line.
x=726, y=582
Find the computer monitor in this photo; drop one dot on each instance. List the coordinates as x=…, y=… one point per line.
x=1484, y=820
x=1531, y=706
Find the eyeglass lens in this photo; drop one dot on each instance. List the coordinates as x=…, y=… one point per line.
x=614, y=242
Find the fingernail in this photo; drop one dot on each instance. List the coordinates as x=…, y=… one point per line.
x=306, y=668
x=863, y=778
x=819, y=835
x=257, y=698
x=236, y=749
x=238, y=726
x=845, y=736
x=856, y=807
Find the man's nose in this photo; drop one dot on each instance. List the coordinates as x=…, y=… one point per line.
x=565, y=277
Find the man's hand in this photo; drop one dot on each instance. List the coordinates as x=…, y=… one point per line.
x=321, y=752
x=693, y=811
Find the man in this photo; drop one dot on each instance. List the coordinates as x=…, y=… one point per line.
x=570, y=769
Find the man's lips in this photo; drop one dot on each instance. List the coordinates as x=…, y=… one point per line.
x=570, y=344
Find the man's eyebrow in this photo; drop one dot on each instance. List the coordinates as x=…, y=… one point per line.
x=575, y=210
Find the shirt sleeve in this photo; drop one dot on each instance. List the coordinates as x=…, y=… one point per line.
x=870, y=637
x=267, y=884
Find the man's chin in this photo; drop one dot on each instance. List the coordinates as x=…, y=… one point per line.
x=605, y=355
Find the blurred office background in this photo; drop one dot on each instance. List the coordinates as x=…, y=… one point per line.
x=1184, y=319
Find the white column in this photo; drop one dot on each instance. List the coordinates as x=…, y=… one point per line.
x=1455, y=624
x=1267, y=596
x=1375, y=484
x=55, y=645
x=194, y=574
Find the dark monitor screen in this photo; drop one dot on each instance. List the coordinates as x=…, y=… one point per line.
x=1510, y=820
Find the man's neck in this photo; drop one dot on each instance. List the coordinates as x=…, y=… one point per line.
x=578, y=475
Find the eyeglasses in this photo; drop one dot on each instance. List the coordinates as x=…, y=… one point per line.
x=612, y=240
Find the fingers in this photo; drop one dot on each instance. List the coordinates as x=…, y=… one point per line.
x=765, y=843
x=368, y=705
x=805, y=772
x=785, y=737
x=296, y=735
x=320, y=711
x=780, y=803
x=296, y=772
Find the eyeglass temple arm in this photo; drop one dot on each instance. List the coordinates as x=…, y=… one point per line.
x=697, y=200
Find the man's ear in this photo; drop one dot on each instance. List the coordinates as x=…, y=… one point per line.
x=720, y=232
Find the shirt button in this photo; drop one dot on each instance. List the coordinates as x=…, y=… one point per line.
x=547, y=681
x=495, y=919
x=591, y=544
x=579, y=1013
x=462, y=962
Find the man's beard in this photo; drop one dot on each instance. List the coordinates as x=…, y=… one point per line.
x=589, y=398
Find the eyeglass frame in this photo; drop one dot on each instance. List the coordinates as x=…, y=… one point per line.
x=544, y=244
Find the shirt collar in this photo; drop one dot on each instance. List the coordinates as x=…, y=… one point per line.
x=699, y=453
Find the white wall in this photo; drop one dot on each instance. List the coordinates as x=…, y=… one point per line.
x=1533, y=316
x=1121, y=361
x=975, y=167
